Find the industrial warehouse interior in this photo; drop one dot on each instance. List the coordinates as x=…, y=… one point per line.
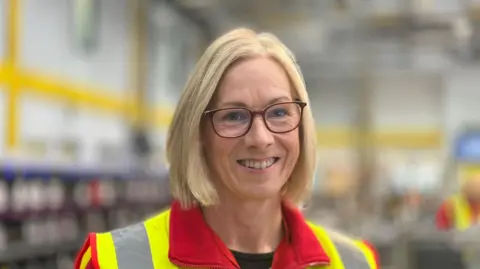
x=88, y=89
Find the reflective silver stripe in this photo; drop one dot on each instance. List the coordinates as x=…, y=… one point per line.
x=352, y=257
x=132, y=247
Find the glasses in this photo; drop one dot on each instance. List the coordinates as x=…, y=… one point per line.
x=236, y=122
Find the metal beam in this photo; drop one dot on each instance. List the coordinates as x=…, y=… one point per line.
x=274, y=14
x=12, y=37
x=192, y=15
x=139, y=45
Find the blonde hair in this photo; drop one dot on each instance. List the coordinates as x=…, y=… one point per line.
x=189, y=173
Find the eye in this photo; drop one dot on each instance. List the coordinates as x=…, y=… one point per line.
x=237, y=115
x=278, y=112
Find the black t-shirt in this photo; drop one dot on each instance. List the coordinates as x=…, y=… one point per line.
x=253, y=260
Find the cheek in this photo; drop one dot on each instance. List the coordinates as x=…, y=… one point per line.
x=217, y=149
x=291, y=143
x=208, y=140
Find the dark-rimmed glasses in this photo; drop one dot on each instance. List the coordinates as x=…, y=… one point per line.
x=236, y=122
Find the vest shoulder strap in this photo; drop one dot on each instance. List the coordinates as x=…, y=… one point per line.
x=352, y=256
x=132, y=244
x=461, y=212
x=344, y=250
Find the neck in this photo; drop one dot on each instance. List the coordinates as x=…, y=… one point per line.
x=247, y=226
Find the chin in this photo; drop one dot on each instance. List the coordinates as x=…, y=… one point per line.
x=263, y=193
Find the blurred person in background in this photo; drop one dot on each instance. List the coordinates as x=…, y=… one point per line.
x=461, y=210
x=241, y=149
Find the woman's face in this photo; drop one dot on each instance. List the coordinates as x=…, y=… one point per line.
x=256, y=165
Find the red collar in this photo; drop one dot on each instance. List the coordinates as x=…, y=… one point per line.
x=194, y=244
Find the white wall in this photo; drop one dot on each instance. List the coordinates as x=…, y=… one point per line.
x=176, y=48
x=462, y=100
x=397, y=100
x=47, y=43
x=176, y=45
x=408, y=100
x=52, y=122
x=334, y=103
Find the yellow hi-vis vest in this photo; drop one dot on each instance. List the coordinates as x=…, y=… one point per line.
x=462, y=213
x=145, y=246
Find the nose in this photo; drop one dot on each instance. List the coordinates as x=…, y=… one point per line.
x=259, y=136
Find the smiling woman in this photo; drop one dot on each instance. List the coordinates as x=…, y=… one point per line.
x=241, y=148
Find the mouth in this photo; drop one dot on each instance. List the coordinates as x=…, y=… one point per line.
x=258, y=165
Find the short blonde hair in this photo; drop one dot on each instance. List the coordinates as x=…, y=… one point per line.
x=189, y=174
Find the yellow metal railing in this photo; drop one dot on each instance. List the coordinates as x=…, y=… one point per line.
x=12, y=85
x=398, y=137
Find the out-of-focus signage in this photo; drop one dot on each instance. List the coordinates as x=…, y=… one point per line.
x=467, y=147
x=467, y=154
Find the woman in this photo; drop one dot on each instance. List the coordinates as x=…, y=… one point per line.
x=241, y=149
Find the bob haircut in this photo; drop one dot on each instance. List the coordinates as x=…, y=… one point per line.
x=189, y=174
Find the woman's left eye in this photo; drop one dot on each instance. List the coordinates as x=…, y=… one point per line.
x=278, y=113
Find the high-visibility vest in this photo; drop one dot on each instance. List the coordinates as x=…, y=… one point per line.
x=462, y=212
x=143, y=246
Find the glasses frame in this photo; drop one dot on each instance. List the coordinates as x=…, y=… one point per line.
x=253, y=115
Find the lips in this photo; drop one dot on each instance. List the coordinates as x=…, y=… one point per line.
x=256, y=164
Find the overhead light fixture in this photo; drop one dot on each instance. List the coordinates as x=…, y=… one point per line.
x=85, y=24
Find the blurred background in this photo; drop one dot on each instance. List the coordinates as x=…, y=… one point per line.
x=88, y=87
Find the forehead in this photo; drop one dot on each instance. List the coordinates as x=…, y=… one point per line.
x=254, y=82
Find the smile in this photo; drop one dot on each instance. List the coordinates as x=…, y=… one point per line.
x=254, y=164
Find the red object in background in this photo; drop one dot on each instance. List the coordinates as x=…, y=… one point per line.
x=443, y=219
x=94, y=193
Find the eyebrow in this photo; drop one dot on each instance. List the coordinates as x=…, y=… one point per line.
x=243, y=105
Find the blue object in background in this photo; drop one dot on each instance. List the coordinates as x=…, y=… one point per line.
x=467, y=147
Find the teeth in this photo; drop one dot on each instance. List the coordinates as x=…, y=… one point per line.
x=257, y=164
